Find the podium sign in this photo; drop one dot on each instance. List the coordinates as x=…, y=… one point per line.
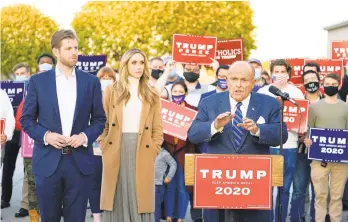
x=233, y=182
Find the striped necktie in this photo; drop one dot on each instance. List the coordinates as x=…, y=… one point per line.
x=237, y=131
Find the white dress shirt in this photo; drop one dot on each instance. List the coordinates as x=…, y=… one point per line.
x=294, y=93
x=243, y=108
x=6, y=112
x=66, y=95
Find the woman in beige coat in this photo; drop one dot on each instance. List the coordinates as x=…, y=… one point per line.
x=130, y=142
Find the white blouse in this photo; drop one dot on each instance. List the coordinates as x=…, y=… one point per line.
x=132, y=110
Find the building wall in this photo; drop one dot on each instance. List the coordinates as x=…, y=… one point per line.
x=336, y=34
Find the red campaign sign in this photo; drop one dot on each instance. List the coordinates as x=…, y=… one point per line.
x=2, y=125
x=345, y=63
x=295, y=117
x=233, y=182
x=339, y=49
x=328, y=66
x=27, y=145
x=194, y=49
x=296, y=71
x=229, y=51
x=176, y=120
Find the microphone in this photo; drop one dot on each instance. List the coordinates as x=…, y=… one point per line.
x=285, y=96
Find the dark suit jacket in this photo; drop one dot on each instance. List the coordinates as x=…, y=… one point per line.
x=41, y=114
x=222, y=143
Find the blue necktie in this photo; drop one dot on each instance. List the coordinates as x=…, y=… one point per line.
x=237, y=131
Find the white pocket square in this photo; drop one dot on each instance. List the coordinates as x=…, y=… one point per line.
x=261, y=120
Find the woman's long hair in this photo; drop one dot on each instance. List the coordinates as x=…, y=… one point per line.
x=145, y=91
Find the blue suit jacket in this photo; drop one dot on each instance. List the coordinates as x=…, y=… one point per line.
x=41, y=114
x=222, y=143
x=205, y=95
x=203, y=147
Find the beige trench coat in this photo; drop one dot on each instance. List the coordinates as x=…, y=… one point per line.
x=150, y=138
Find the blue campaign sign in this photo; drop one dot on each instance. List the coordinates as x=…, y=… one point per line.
x=91, y=63
x=330, y=145
x=14, y=90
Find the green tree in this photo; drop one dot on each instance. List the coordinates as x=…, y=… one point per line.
x=25, y=34
x=114, y=27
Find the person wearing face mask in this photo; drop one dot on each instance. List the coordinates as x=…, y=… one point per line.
x=21, y=72
x=156, y=68
x=107, y=77
x=177, y=148
x=45, y=62
x=311, y=81
x=160, y=73
x=195, y=88
x=327, y=177
x=221, y=82
x=281, y=72
x=260, y=81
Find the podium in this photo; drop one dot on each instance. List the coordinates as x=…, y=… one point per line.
x=233, y=181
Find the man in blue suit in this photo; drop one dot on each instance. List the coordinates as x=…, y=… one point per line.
x=238, y=122
x=63, y=114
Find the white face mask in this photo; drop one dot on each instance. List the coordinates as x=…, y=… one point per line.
x=45, y=67
x=280, y=79
x=22, y=78
x=105, y=83
x=258, y=72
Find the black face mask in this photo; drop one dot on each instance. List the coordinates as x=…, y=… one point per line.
x=191, y=76
x=331, y=90
x=312, y=87
x=156, y=73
